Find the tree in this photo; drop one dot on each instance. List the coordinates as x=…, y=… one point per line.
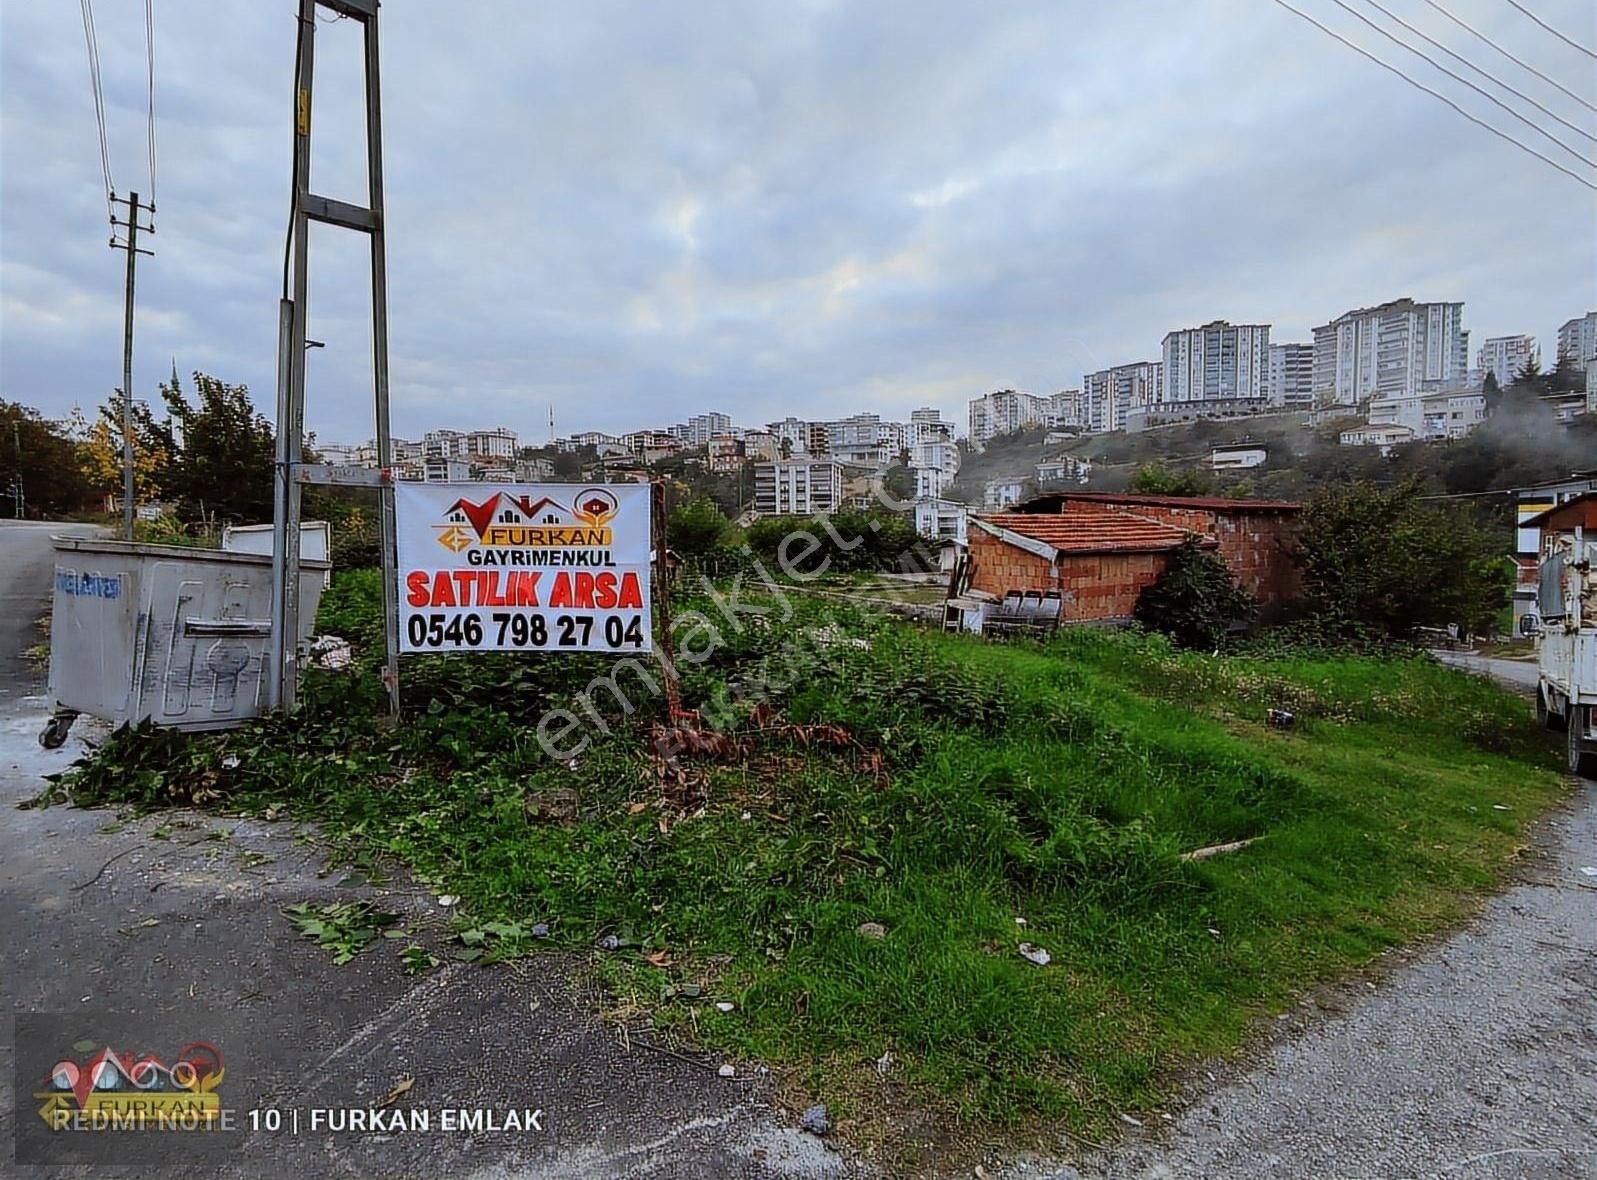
x=1530, y=372
x=40, y=472
x=1155, y=479
x=1382, y=562
x=787, y=448
x=224, y=463
x=899, y=483
x=695, y=529
x=1195, y=600
x=154, y=451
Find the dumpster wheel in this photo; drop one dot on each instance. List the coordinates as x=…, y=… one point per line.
x=55, y=730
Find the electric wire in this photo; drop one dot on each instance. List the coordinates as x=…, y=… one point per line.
x=1570, y=41
x=1524, y=65
x=91, y=41
x=149, y=50
x=1575, y=127
x=1486, y=94
x=1501, y=134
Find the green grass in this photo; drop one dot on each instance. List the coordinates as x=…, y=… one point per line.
x=1058, y=784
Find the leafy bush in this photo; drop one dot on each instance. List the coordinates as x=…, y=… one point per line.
x=1195, y=600
x=1382, y=561
x=695, y=529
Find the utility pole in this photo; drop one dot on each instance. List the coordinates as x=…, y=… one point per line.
x=132, y=247
x=291, y=470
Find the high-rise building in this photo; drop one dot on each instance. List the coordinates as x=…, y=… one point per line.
x=1578, y=339
x=1217, y=362
x=701, y=428
x=1505, y=356
x=498, y=443
x=1108, y=395
x=1291, y=381
x=1395, y=350
x=797, y=487
x=1064, y=409
x=1004, y=412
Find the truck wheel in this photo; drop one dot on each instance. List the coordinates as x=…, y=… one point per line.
x=1556, y=722
x=1581, y=761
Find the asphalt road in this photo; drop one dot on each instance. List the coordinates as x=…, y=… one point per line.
x=1516, y=674
x=172, y=924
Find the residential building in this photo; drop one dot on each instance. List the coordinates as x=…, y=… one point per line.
x=439, y=469
x=639, y=441
x=1064, y=410
x=1577, y=338
x=1001, y=493
x=1504, y=357
x=1237, y=458
x=723, y=454
x=1291, y=380
x=1067, y=469
x=928, y=425
x=1216, y=362
x=340, y=454
x=1098, y=550
x=761, y=445
x=701, y=428
x=797, y=487
x=589, y=438
x=1004, y=412
x=1172, y=413
x=533, y=470
x=1369, y=435
x=444, y=444
x=935, y=463
x=1109, y=395
x=1445, y=413
x=941, y=519
x=498, y=443
x=1394, y=350
x=792, y=435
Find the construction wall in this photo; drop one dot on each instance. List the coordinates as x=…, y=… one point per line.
x=1097, y=587
x=1256, y=545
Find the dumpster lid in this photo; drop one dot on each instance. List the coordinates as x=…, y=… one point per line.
x=177, y=552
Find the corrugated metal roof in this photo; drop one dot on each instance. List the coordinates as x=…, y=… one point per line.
x=1076, y=532
x=1053, y=501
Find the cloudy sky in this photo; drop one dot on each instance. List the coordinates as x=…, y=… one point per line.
x=635, y=212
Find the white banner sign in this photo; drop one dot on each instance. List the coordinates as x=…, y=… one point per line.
x=523, y=567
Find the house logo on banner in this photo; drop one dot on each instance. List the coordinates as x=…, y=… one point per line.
x=520, y=520
x=518, y=567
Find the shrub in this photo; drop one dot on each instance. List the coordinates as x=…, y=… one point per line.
x=1381, y=561
x=1195, y=600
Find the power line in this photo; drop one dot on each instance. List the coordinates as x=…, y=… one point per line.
x=1575, y=127
x=149, y=49
x=91, y=41
x=1566, y=40
x=1490, y=97
x=1517, y=61
x=1361, y=51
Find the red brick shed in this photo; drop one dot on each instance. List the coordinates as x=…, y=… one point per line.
x=1101, y=549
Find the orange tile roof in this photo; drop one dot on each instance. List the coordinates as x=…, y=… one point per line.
x=1094, y=533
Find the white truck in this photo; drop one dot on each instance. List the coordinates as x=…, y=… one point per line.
x=1566, y=692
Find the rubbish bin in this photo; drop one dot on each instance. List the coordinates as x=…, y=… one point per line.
x=165, y=632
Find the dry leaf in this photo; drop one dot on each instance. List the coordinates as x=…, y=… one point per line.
x=634, y=808
x=401, y=1088
x=659, y=958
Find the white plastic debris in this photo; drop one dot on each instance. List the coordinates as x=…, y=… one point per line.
x=727, y=1071
x=1035, y=954
x=1129, y=1121
x=724, y=1005
x=447, y=899
x=1588, y=871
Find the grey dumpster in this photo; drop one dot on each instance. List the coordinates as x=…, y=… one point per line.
x=165, y=632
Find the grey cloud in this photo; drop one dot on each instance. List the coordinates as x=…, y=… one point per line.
x=640, y=211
